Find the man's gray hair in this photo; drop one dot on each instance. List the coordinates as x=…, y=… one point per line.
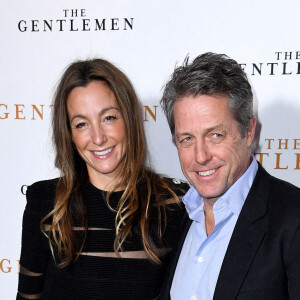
x=210, y=74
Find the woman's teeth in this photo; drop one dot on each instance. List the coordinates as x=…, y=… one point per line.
x=101, y=153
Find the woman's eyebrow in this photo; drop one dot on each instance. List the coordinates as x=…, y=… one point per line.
x=104, y=110
x=78, y=116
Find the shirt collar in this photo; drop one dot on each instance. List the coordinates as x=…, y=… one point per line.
x=235, y=196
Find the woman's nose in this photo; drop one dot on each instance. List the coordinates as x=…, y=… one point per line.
x=98, y=135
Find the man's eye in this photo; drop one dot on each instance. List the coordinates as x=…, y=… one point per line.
x=184, y=142
x=217, y=135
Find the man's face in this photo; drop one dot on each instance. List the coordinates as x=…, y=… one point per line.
x=212, y=153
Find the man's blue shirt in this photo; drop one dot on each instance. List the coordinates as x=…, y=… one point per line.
x=201, y=257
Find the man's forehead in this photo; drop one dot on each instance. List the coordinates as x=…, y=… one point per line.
x=202, y=106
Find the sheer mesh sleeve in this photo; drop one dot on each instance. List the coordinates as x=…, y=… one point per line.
x=35, y=250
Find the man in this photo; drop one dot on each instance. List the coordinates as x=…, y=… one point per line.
x=242, y=235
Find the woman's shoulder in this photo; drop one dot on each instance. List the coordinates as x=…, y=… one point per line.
x=172, y=191
x=178, y=186
x=43, y=187
x=40, y=195
x=165, y=189
x=175, y=210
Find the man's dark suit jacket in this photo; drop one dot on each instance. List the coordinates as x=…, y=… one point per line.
x=262, y=260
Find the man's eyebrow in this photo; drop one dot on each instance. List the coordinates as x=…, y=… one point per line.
x=216, y=127
x=178, y=134
x=206, y=130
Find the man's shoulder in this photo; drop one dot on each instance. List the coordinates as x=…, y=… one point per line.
x=282, y=185
x=287, y=193
x=283, y=199
x=277, y=184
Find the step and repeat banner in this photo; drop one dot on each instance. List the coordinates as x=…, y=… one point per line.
x=145, y=39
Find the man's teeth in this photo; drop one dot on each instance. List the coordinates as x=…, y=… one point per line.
x=206, y=173
x=100, y=153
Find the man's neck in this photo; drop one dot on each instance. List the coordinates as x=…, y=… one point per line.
x=209, y=215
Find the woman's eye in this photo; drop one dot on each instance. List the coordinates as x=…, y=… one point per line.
x=110, y=118
x=80, y=125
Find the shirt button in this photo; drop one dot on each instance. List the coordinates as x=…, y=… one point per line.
x=200, y=259
x=193, y=297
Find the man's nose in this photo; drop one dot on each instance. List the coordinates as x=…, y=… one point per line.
x=202, y=153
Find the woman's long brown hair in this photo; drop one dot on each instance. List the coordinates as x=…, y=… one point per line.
x=141, y=185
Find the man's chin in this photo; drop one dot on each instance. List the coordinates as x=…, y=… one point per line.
x=210, y=195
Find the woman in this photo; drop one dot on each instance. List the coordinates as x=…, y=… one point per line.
x=103, y=228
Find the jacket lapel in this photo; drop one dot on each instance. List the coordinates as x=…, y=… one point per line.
x=249, y=232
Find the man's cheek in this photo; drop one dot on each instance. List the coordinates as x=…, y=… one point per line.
x=185, y=161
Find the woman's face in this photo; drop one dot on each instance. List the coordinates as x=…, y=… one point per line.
x=98, y=131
